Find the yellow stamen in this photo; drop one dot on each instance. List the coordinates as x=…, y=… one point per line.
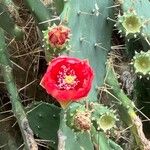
x=69, y=79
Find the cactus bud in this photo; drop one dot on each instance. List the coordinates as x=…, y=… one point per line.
x=141, y=63
x=104, y=118
x=130, y=24
x=106, y=121
x=56, y=38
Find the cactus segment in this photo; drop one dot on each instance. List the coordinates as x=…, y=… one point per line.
x=91, y=34
x=68, y=139
x=102, y=142
x=17, y=107
x=141, y=63
x=8, y=24
x=126, y=108
x=39, y=11
x=44, y=121
x=59, y=4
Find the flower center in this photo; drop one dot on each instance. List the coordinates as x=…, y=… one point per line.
x=132, y=24
x=69, y=79
x=66, y=78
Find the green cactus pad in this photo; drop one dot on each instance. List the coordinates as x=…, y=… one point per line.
x=8, y=24
x=39, y=11
x=72, y=140
x=141, y=63
x=102, y=142
x=91, y=34
x=44, y=120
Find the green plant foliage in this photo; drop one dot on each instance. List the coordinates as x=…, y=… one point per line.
x=91, y=34
x=44, y=121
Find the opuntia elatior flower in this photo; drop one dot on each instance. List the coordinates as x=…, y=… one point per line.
x=68, y=79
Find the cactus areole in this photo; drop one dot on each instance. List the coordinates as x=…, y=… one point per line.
x=68, y=79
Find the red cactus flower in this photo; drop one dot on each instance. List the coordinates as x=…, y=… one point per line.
x=58, y=36
x=68, y=79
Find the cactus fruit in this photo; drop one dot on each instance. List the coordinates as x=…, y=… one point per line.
x=55, y=40
x=141, y=8
x=141, y=63
x=82, y=121
x=129, y=24
x=103, y=118
x=79, y=118
x=106, y=121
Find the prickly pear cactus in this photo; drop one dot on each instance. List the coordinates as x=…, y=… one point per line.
x=91, y=34
x=87, y=30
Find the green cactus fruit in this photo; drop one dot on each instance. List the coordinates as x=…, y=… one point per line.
x=79, y=118
x=141, y=8
x=129, y=24
x=103, y=117
x=141, y=63
x=106, y=121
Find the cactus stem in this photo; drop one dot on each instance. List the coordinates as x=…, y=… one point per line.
x=126, y=109
x=17, y=107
